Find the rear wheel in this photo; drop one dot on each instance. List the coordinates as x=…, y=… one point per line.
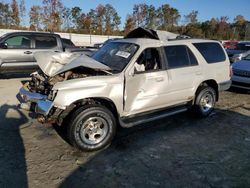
x=91, y=128
x=205, y=101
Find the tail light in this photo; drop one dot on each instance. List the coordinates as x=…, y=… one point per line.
x=230, y=71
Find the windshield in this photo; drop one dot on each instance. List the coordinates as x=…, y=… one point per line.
x=116, y=55
x=247, y=57
x=242, y=46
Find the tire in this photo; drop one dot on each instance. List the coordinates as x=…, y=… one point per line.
x=205, y=101
x=91, y=128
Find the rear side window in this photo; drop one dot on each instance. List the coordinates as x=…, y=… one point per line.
x=45, y=42
x=211, y=51
x=179, y=56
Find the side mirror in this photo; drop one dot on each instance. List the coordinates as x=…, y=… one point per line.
x=3, y=45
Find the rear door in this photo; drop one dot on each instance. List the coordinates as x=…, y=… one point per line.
x=18, y=56
x=184, y=73
x=46, y=43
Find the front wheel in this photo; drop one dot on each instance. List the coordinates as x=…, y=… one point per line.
x=91, y=128
x=205, y=101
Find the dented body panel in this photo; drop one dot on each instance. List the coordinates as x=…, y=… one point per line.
x=106, y=87
x=54, y=63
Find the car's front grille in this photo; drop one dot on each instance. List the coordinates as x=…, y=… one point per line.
x=242, y=73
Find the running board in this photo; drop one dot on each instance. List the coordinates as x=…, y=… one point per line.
x=140, y=119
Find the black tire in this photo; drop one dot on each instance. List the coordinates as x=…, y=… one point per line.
x=100, y=128
x=205, y=101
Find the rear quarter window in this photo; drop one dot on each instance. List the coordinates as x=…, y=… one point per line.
x=211, y=51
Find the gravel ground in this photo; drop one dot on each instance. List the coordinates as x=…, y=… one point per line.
x=179, y=151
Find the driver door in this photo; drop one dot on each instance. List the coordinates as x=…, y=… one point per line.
x=146, y=89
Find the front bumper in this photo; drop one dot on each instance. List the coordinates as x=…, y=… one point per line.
x=42, y=105
x=28, y=96
x=241, y=82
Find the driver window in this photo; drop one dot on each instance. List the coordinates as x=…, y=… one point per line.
x=18, y=42
x=149, y=60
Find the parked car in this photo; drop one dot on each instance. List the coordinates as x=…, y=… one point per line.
x=240, y=56
x=17, y=49
x=241, y=73
x=127, y=82
x=230, y=44
x=67, y=43
x=235, y=54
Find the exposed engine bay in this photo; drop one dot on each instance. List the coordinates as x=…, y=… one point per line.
x=41, y=83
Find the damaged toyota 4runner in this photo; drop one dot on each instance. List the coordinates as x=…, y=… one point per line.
x=145, y=76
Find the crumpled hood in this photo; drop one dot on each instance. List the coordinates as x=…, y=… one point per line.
x=53, y=63
x=242, y=65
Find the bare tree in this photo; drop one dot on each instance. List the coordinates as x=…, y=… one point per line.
x=129, y=24
x=35, y=15
x=22, y=10
x=51, y=14
x=15, y=14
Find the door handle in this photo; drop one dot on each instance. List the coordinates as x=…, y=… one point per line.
x=28, y=52
x=159, y=79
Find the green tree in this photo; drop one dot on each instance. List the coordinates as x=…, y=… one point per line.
x=192, y=17
x=111, y=19
x=168, y=17
x=75, y=14
x=151, y=17
x=239, y=27
x=5, y=15
x=99, y=18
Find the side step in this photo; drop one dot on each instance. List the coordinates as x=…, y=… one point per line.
x=145, y=118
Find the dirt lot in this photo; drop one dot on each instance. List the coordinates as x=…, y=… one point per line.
x=179, y=151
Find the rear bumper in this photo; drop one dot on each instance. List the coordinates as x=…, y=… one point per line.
x=225, y=85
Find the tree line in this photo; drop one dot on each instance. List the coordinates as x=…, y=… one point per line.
x=53, y=16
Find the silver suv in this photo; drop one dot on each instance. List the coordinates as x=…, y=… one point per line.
x=140, y=78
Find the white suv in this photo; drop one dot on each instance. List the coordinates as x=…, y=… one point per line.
x=127, y=82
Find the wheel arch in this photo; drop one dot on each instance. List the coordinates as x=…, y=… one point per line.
x=211, y=83
x=109, y=104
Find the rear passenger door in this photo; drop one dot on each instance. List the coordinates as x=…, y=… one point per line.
x=45, y=43
x=184, y=73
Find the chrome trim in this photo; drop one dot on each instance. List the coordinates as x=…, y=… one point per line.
x=28, y=96
x=43, y=107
